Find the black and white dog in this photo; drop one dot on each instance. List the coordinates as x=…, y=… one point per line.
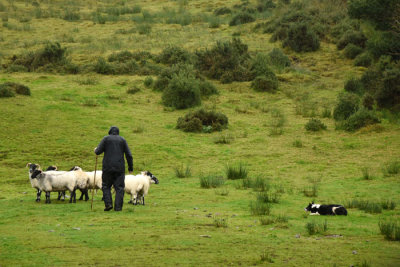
x=332, y=209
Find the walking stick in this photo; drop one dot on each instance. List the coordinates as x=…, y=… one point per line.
x=94, y=181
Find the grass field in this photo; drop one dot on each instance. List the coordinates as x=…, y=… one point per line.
x=182, y=223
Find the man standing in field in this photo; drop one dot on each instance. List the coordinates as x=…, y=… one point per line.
x=114, y=147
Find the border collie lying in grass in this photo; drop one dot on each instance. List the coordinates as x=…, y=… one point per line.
x=332, y=209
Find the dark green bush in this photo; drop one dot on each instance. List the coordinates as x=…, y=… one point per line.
x=9, y=89
x=301, y=38
x=148, y=82
x=173, y=55
x=278, y=59
x=353, y=85
x=352, y=37
x=384, y=43
x=122, y=56
x=368, y=101
x=229, y=59
x=222, y=11
x=234, y=172
x=372, y=80
x=315, y=125
x=264, y=5
x=364, y=60
x=5, y=91
x=103, y=67
x=195, y=121
x=241, y=18
x=348, y=103
x=265, y=83
x=207, y=88
x=388, y=96
x=182, y=92
x=260, y=65
x=351, y=51
x=361, y=118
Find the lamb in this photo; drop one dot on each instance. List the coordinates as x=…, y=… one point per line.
x=138, y=186
x=50, y=181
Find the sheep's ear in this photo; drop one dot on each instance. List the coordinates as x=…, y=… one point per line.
x=312, y=202
x=28, y=164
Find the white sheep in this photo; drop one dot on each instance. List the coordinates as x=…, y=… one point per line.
x=138, y=185
x=34, y=182
x=51, y=181
x=91, y=181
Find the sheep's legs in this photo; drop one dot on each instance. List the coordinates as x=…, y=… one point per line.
x=48, y=198
x=38, y=194
x=61, y=195
x=73, y=196
x=84, y=192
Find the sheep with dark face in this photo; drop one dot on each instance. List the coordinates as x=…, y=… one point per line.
x=138, y=186
x=34, y=183
x=57, y=181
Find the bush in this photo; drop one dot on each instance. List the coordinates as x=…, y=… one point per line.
x=278, y=59
x=315, y=125
x=9, y=89
x=5, y=91
x=388, y=95
x=265, y=83
x=148, y=82
x=182, y=92
x=241, y=18
x=368, y=101
x=195, y=121
x=364, y=60
x=301, y=38
x=236, y=172
x=103, y=67
x=390, y=229
x=361, y=118
x=348, y=103
x=222, y=11
x=226, y=61
x=122, y=56
x=260, y=208
x=391, y=168
x=207, y=88
x=352, y=37
x=182, y=171
x=173, y=55
x=353, y=85
x=351, y=51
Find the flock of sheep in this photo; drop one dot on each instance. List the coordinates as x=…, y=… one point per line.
x=53, y=180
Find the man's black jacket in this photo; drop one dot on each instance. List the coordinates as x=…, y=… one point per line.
x=114, y=148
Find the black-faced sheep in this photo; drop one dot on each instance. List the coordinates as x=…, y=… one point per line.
x=138, y=186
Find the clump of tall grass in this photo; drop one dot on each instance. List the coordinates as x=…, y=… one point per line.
x=390, y=229
x=388, y=204
x=224, y=139
x=311, y=191
x=268, y=197
x=220, y=222
x=234, y=172
x=277, y=122
x=87, y=80
x=260, y=208
x=182, y=171
x=391, y=168
x=222, y=192
x=316, y=228
x=211, y=181
x=366, y=173
x=364, y=205
x=266, y=257
x=297, y=143
x=280, y=219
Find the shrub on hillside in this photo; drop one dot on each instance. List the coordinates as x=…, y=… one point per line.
x=265, y=83
x=9, y=89
x=352, y=37
x=102, y=67
x=278, y=59
x=364, y=60
x=351, y=51
x=301, y=38
x=384, y=43
x=182, y=92
x=388, y=96
x=241, y=18
x=207, y=88
x=368, y=101
x=315, y=125
x=148, y=82
x=122, y=56
x=348, y=103
x=229, y=59
x=173, y=55
x=353, y=85
x=222, y=11
x=361, y=118
x=197, y=120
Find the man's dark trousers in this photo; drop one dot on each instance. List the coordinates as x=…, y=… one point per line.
x=118, y=180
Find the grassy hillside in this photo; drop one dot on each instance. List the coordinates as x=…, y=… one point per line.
x=66, y=116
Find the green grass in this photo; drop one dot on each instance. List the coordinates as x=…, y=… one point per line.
x=67, y=115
